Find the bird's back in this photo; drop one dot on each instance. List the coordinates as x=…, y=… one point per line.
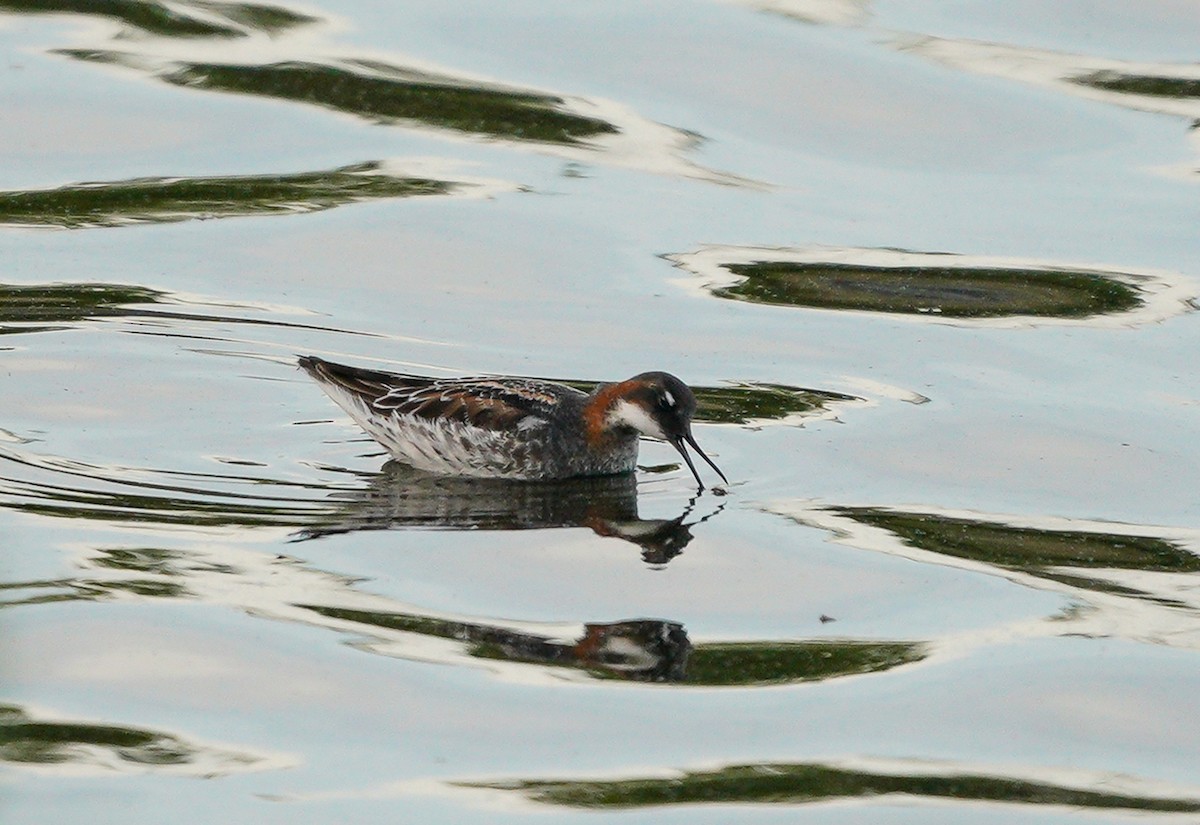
x=490, y=427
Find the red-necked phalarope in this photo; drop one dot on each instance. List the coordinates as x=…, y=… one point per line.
x=516, y=428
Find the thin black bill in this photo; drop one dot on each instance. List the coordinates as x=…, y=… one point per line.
x=678, y=444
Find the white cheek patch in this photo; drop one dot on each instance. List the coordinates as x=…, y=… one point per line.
x=670, y=398
x=632, y=415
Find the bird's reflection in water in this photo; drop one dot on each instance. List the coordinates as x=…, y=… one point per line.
x=644, y=650
x=400, y=496
x=636, y=650
x=639, y=650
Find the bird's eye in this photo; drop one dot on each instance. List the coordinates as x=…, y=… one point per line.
x=666, y=400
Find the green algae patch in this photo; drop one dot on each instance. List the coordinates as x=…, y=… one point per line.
x=738, y=664
x=798, y=783
x=27, y=741
x=185, y=19
x=166, y=200
x=1182, y=88
x=750, y=402
x=383, y=94
x=64, y=303
x=950, y=292
x=1026, y=548
x=398, y=95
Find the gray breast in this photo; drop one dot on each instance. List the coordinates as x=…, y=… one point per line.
x=554, y=451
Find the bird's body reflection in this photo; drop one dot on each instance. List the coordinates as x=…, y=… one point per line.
x=640, y=650
x=400, y=496
x=644, y=650
x=635, y=650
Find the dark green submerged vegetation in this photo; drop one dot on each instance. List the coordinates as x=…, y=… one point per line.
x=1056, y=555
x=1026, y=548
x=733, y=664
x=752, y=401
x=65, y=303
x=184, y=18
x=387, y=94
x=744, y=402
x=935, y=291
x=797, y=783
x=28, y=741
x=164, y=200
x=26, y=308
x=1149, y=85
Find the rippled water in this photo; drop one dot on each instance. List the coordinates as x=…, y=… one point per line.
x=931, y=271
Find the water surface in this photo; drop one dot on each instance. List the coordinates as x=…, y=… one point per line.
x=932, y=275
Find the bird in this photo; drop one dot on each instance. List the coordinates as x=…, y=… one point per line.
x=514, y=428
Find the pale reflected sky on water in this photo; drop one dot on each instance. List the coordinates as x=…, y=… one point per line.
x=168, y=616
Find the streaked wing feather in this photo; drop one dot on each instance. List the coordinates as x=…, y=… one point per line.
x=488, y=403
